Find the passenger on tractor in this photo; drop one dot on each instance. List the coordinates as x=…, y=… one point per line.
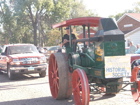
x=66, y=41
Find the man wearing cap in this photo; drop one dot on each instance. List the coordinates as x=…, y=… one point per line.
x=65, y=40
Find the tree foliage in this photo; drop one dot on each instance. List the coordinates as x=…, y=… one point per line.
x=117, y=16
x=136, y=9
x=30, y=21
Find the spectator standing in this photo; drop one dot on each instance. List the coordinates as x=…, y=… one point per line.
x=138, y=49
x=132, y=48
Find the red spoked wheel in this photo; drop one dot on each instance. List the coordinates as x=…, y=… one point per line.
x=59, y=76
x=80, y=87
x=135, y=88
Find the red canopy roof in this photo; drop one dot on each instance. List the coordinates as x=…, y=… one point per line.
x=92, y=21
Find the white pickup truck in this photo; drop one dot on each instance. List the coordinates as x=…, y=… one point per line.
x=22, y=59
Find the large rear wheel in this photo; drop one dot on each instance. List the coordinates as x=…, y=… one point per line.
x=59, y=76
x=80, y=87
x=135, y=88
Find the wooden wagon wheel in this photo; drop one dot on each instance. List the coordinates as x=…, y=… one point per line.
x=80, y=87
x=59, y=76
x=135, y=88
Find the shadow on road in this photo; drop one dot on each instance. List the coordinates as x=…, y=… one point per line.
x=10, y=86
x=39, y=101
x=19, y=77
x=97, y=97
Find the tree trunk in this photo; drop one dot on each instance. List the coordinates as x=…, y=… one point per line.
x=35, y=34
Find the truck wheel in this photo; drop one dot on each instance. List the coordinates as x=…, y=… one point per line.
x=42, y=74
x=1, y=72
x=10, y=75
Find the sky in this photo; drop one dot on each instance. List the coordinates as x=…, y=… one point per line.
x=105, y=8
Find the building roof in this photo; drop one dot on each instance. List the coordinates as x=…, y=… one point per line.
x=135, y=16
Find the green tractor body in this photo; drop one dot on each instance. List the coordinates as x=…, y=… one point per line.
x=102, y=56
x=106, y=43
x=92, y=64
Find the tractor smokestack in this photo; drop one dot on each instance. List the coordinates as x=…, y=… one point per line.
x=108, y=26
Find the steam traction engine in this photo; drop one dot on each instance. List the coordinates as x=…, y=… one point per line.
x=99, y=66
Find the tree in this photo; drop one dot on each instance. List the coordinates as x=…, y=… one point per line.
x=117, y=16
x=7, y=20
x=13, y=28
x=136, y=9
x=30, y=21
x=61, y=12
x=78, y=10
x=30, y=14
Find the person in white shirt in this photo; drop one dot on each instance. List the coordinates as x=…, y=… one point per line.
x=132, y=48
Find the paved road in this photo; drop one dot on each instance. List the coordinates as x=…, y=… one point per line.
x=33, y=90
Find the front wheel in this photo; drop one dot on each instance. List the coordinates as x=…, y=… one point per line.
x=42, y=74
x=80, y=87
x=1, y=72
x=135, y=88
x=9, y=73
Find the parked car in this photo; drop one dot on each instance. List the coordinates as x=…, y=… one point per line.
x=22, y=59
x=53, y=49
x=40, y=49
x=50, y=50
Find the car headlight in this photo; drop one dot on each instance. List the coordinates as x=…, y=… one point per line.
x=43, y=59
x=15, y=62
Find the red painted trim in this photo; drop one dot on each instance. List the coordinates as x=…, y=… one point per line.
x=93, y=21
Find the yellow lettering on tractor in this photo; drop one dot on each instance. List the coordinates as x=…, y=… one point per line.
x=98, y=73
x=99, y=59
x=99, y=51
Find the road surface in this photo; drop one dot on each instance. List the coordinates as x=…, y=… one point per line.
x=33, y=90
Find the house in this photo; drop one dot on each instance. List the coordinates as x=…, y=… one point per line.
x=134, y=36
x=129, y=24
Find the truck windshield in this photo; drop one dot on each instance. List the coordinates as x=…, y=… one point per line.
x=23, y=49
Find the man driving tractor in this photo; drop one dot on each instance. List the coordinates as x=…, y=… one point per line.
x=65, y=39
